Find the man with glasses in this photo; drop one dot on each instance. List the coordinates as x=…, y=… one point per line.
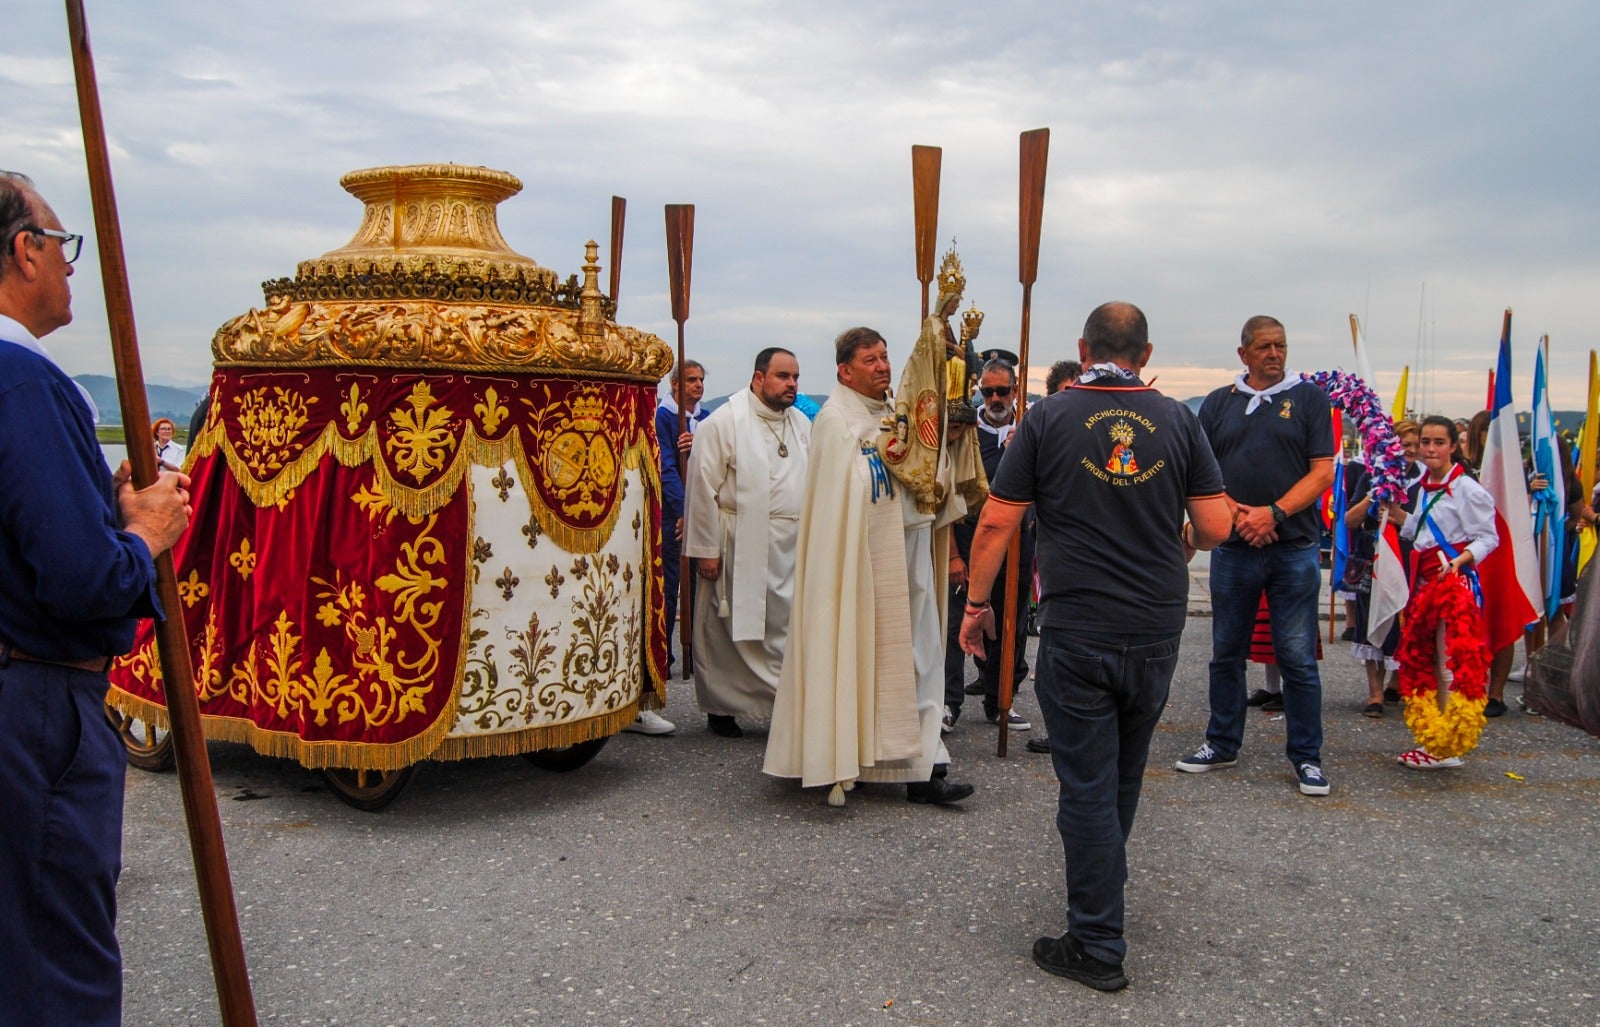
x=997, y=385
x=77, y=549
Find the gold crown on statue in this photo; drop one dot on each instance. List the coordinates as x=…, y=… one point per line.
x=952, y=278
x=971, y=323
x=588, y=412
x=1122, y=432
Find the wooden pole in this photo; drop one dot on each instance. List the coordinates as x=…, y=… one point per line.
x=619, y=214
x=680, y=255
x=925, y=162
x=183, y=707
x=1035, y=149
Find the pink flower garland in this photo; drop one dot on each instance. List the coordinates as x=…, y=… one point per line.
x=1385, y=454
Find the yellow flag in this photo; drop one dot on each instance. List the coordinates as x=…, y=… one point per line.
x=1399, y=409
x=1588, y=442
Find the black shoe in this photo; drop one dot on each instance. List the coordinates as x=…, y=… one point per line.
x=724, y=725
x=1391, y=696
x=1258, y=697
x=1495, y=708
x=1349, y=634
x=939, y=791
x=1274, y=703
x=1064, y=957
x=1038, y=745
x=973, y=688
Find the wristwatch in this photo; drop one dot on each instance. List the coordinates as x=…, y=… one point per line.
x=1278, y=515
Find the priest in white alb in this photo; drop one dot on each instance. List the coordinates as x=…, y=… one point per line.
x=745, y=484
x=861, y=694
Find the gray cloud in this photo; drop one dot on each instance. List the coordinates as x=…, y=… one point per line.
x=1208, y=161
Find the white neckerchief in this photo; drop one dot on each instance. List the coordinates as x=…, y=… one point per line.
x=1001, y=432
x=670, y=405
x=1259, y=396
x=11, y=330
x=1106, y=369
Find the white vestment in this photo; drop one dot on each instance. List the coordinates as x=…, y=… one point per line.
x=744, y=500
x=862, y=687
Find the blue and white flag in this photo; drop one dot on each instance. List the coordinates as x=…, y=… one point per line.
x=1549, y=529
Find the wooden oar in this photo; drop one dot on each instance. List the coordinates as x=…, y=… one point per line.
x=1035, y=148
x=619, y=213
x=680, y=254
x=925, y=199
x=183, y=707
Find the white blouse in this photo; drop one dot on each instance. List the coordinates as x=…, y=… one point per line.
x=1465, y=511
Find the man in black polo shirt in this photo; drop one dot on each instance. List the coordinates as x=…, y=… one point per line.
x=1110, y=466
x=1273, y=437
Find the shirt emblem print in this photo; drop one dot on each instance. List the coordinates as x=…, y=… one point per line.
x=1122, y=462
x=1285, y=411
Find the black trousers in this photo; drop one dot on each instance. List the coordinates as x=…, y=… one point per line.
x=61, y=785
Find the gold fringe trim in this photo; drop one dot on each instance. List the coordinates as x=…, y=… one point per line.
x=422, y=502
x=397, y=756
x=549, y=736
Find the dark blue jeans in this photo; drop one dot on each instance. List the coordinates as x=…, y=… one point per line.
x=1292, y=580
x=1100, y=697
x=61, y=782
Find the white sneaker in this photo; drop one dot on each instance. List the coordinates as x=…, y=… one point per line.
x=1519, y=675
x=651, y=723
x=1422, y=759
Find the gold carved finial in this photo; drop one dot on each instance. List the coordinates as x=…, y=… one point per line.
x=971, y=323
x=952, y=277
x=591, y=310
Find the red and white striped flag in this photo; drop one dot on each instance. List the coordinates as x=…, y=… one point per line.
x=1510, y=574
x=1389, y=589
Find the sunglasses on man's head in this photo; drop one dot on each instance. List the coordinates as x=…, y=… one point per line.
x=995, y=390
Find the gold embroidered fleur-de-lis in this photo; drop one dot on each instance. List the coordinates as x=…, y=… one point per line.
x=191, y=589
x=531, y=532
x=243, y=559
x=508, y=583
x=421, y=438
x=353, y=409
x=555, y=580
x=491, y=411
x=503, y=482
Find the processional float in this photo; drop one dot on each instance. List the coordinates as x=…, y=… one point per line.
x=426, y=506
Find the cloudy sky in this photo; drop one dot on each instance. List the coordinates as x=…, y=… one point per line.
x=1421, y=165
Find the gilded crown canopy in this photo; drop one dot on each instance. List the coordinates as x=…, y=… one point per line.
x=428, y=281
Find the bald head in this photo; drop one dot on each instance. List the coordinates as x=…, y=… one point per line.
x=1118, y=332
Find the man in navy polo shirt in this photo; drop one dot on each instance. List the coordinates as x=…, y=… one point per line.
x=77, y=549
x=1111, y=466
x=1273, y=436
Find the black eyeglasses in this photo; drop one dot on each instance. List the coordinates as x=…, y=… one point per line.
x=995, y=390
x=71, y=245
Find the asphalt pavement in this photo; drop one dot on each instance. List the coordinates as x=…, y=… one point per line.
x=670, y=882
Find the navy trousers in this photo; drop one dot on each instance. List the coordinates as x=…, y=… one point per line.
x=61, y=787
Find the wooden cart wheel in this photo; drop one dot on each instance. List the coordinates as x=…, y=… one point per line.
x=149, y=747
x=567, y=758
x=368, y=790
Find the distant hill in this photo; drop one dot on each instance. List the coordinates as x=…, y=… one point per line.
x=165, y=400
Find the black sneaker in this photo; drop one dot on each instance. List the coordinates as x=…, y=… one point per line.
x=1312, y=780
x=1391, y=696
x=1041, y=745
x=1259, y=697
x=973, y=688
x=1273, y=703
x=1065, y=957
x=1495, y=708
x=1205, y=758
x=1349, y=634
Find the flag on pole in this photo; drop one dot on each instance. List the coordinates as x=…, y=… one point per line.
x=1550, y=524
x=1363, y=364
x=1510, y=574
x=1337, y=504
x=1399, y=409
x=1389, y=588
x=1586, y=458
